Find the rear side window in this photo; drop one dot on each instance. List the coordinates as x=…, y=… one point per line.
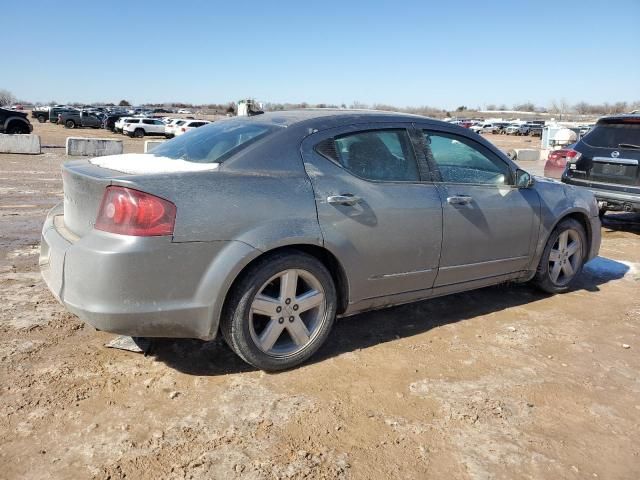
x=215, y=142
x=133, y=120
x=612, y=135
x=382, y=155
x=148, y=122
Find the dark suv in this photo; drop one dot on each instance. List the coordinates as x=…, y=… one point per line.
x=606, y=161
x=13, y=122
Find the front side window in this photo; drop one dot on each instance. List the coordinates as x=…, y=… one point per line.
x=382, y=155
x=461, y=160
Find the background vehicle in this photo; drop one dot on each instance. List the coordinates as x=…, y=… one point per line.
x=14, y=122
x=109, y=121
x=80, y=119
x=498, y=127
x=188, y=125
x=275, y=223
x=606, y=161
x=56, y=111
x=41, y=113
x=139, y=127
x=119, y=124
x=557, y=161
x=171, y=125
x=482, y=128
x=184, y=110
x=512, y=129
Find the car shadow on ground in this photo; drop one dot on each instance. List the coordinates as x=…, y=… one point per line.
x=621, y=222
x=213, y=358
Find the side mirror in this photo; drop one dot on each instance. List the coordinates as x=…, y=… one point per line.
x=523, y=179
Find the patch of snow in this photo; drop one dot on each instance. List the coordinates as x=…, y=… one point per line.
x=145, y=163
x=611, y=269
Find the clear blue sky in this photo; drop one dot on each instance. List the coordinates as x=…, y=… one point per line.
x=442, y=54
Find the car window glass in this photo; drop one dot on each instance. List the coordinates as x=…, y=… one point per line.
x=460, y=160
x=147, y=122
x=384, y=155
x=612, y=135
x=215, y=142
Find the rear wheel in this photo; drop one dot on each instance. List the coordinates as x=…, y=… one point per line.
x=17, y=128
x=70, y=124
x=138, y=133
x=41, y=118
x=563, y=257
x=281, y=311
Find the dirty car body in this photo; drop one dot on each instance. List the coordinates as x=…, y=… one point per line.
x=393, y=208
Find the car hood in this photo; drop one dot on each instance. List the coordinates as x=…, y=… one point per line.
x=147, y=163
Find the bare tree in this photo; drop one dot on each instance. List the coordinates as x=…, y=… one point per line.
x=6, y=97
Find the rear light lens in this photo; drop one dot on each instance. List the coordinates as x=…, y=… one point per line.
x=573, y=156
x=131, y=212
x=183, y=129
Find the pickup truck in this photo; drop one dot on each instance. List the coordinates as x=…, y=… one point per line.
x=79, y=119
x=41, y=113
x=12, y=122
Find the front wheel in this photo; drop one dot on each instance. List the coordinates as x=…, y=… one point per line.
x=139, y=133
x=281, y=311
x=563, y=257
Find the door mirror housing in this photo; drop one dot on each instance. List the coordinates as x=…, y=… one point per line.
x=523, y=179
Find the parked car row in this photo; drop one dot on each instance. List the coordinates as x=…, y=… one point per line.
x=533, y=128
x=118, y=121
x=167, y=127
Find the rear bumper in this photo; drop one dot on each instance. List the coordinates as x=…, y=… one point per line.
x=139, y=286
x=617, y=200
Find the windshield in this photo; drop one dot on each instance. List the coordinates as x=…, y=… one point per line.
x=215, y=142
x=612, y=135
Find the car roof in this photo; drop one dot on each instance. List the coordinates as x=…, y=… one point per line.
x=336, y=117
x=620, y=118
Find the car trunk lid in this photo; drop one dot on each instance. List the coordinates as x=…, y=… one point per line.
x=84, y=186
x=85, y=182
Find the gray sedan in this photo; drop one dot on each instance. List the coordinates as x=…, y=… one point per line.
x=266, y=228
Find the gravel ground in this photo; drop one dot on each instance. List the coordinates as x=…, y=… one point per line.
x=503, y=382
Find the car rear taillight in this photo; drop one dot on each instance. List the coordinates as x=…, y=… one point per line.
x=132, y=212
x=183, y=129
x=573, y=156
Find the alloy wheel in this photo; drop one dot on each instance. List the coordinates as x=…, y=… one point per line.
x=565, y=257
x=287, y=313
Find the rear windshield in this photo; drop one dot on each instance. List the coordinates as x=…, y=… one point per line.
x=612, y=135
x=215, y=142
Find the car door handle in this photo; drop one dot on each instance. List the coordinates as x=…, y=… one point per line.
x=346, y=199
x=459, y=200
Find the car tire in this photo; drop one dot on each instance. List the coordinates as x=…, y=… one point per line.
x=138, y=133
x=294, y=336
x=561, y=263
x=42, y=118
x=70, y=124
x=18, y=128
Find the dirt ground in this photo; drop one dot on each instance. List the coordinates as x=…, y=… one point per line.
x=499, y=383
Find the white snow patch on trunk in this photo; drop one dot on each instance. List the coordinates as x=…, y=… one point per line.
x=144, y=163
